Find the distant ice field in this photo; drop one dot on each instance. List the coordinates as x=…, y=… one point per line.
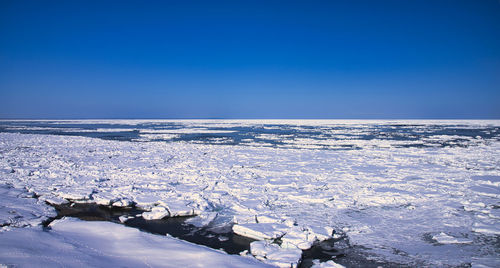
x=413, y=192
x=312, y=134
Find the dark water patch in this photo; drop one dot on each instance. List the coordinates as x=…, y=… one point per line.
x=94, y=212
x=354, y=258
x=340, y=251
x=322, y=251
x=337, y=250
x=174, y=226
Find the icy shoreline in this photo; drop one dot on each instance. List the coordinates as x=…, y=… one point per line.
x=406, y=205
x=178, y=227
x=319, y=255
x=75, y=243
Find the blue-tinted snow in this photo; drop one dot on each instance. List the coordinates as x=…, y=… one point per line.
x=413, y=192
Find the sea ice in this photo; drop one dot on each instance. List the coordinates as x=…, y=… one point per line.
x=76, y=243
x=389, y=197
x=275, y=255
x=156, y=213
x=18, y=208
x=202, y=220
x=443, y=238
x=327, y=264
x=259, y=231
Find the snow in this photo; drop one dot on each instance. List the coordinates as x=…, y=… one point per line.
x=18, y=208
x=75, y=243
x=432, y=205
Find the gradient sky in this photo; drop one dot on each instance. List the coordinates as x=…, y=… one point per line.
x=250, y=59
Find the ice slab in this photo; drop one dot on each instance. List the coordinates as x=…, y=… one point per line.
x=202, y=220
x=443, y=238
x=156, y=213
x=124, y=218
x=122, y=202
x=275, y=255
x=259, y=231
x=327, y=264
x=178, y=208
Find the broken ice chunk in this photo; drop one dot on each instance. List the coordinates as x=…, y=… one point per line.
x=319, y=233
x=53, y=200
x=275, y=255
x=443, y=238
x=223, y=238
x=156, y=213
x=146, y=201
x=265, y=219
x=304, y=237
x=203, y=219
x=328, y=264
x=294, y=240
x=104, y=198
x=259, y=231
x=122, y=203
x=125, y=218
x=240, y=219
x=74, y=193
x=178, y=209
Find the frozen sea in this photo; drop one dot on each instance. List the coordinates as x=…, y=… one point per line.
x=390, y=192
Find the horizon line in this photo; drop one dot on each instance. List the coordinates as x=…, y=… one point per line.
x=220, y=118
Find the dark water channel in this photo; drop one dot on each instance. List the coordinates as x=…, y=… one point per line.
x=228, y=242
x=174, y=226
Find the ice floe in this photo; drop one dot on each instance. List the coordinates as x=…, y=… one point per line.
x=327, y=264
x=443, y=238
x=275, y=255
x=156, y=213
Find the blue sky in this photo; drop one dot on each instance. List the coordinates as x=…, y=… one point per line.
x=250, y=59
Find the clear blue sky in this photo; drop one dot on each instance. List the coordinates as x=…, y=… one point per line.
x=250, y=59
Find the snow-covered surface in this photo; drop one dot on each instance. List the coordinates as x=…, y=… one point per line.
x=76, y=243
x=18, y=208
x=419, y=200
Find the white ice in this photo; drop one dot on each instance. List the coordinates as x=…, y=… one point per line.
x=448, y=239
x=76, y=243
x=18, y=208
x=393, y=201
